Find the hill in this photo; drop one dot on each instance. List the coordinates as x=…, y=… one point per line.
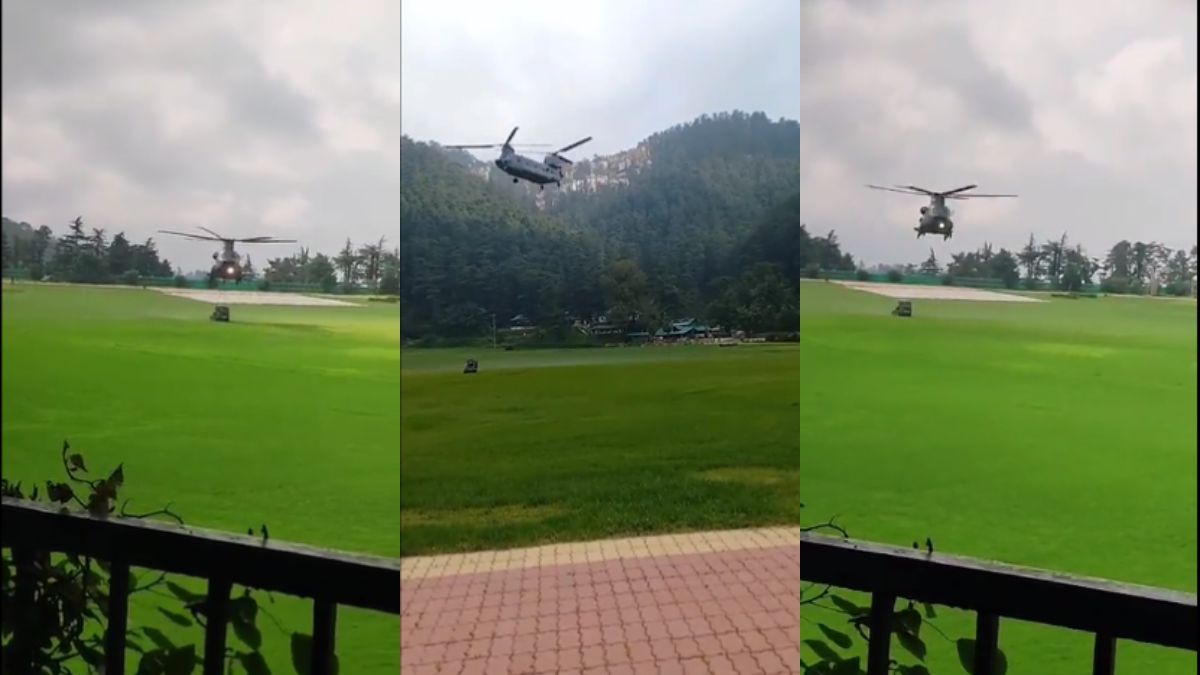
x=649, y=231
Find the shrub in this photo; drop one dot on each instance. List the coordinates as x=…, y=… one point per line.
x=895, y=276
x=948, y=280
x=812, y=271
x=180, y=281
x=130, y=278
x=264, y=285
x=862, y=275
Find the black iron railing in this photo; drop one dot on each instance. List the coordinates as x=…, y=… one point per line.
x=330, y=578
x=1109, y=610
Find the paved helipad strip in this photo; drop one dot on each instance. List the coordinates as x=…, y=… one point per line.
x=218, y=297
x=419, y=567
x=715, y=602
x=917, y=292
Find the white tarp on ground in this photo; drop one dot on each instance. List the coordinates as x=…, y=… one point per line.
x=916, y=292
x=219, y=297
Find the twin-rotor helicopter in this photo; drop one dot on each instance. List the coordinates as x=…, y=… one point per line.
x=227, y=263
x=936, y=217
x=551, y=169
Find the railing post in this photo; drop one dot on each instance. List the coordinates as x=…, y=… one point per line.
x=324, y=632
x=118, y=618
x=217, y=619
x=1104, y=655
x=987, y=640
x=883, y=607
x=22, y=646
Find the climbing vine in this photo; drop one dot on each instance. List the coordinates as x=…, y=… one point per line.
x=64, y=622
x=838, y=647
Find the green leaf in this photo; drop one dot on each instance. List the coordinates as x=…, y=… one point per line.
x=822, y=650
x=117, y=478
x=159, y=638
x=302, y=653
x=60, y=493
x=177, y=619
x=243, y=612
x=181, y=661
x=840, y=639
x=183, y=593
x=152, y=662
x=912, y=644
x=254, y=663
x=76, y=462
x=848, y=607
x=909, y=621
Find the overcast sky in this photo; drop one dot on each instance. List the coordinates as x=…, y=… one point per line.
x=1086, y=110
x=248, y=116
x=617, y=70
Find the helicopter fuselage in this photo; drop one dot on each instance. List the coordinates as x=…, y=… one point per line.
x=227, y=263
x=935, y=219
x=525, y=168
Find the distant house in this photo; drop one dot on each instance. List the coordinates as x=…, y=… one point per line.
x=683, y=329
x=520, y=325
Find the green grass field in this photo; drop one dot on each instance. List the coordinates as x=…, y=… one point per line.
x=571, y=445
x=286, y=416
x=1059, y=435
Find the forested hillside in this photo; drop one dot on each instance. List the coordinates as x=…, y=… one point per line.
x=664, y=230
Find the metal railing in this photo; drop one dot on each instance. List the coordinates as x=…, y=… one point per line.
x=1111, y=611
x=330, y=578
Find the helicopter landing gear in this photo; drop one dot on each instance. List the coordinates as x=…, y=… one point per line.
x=541, y=188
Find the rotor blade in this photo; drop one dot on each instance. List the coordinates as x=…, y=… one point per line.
x=510, y=136
x=921, y=190
x=265, y=240
x=189, y=235
x=564, y=160
x=957, y=190
x=495, y=145
x=974, y=196
x=574, y=145
x=211, y=232
x=903, y=192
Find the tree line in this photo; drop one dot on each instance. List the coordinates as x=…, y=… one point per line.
x=88, y=255
x=1128, y=267
x=80, y=255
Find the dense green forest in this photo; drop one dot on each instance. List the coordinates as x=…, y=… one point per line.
x=704, y=220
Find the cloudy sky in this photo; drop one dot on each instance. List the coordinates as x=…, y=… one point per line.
x=1086, y=110
x=248, y=116
x=617, y=70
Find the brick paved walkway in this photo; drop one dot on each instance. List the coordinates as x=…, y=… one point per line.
x=712, y=602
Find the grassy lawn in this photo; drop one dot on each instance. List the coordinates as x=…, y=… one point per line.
x=571, y=445
x=286, y=416
x=1059, y=435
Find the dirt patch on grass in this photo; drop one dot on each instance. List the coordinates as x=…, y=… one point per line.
x=218, y=297
x=914, y=292
x=749, y=475
x=498, y=515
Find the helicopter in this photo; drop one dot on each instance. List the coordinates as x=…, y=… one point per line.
x=540, y=173
x=227, y=263
x=935, y=218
